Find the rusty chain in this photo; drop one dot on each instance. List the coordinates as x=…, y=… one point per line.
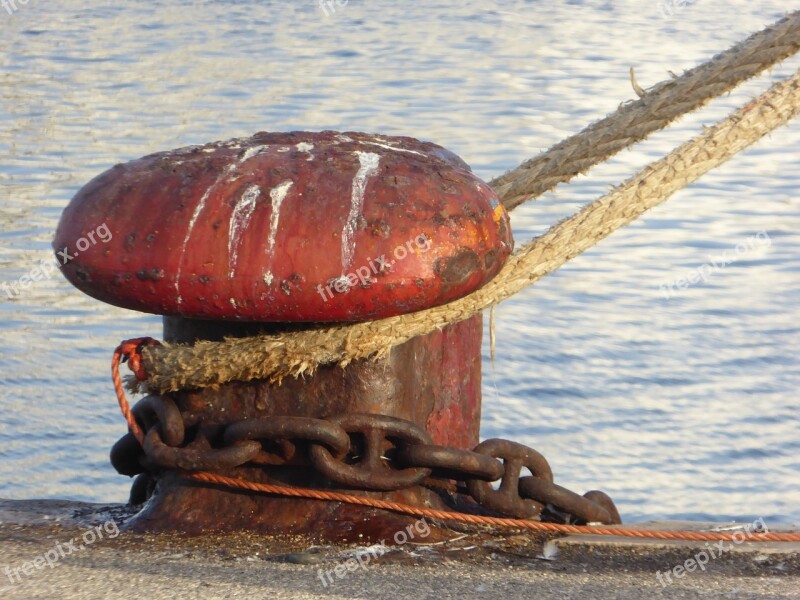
x=360, y=451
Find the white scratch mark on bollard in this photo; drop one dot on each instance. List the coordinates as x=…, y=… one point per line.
x=395, y=149
x=192, y=222
x=251, y=152
x=368, y=167
x=240, y=219
x=277, y=195
x=307, y=148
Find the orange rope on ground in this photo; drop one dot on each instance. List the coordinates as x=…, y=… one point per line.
x=446, y=515
x=130, y=350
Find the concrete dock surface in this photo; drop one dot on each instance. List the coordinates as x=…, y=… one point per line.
x=61, y=549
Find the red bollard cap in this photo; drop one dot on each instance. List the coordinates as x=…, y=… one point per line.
x=290, y=227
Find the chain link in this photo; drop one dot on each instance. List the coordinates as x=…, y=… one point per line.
x=367, y=466
x=286, y=440
x=593, y=507
x=361, y=451
x=506, y=498
x=451, y=463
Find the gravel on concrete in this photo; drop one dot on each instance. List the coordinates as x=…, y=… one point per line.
x=130, y=565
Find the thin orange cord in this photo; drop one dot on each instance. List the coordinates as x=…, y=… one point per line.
x=131, y=349
x=483, y=520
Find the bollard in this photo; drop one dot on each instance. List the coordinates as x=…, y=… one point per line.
x=271, y=234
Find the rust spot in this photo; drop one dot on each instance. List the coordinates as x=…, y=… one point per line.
x=490, y=259
x=455, y=270
x=130, y=241
x=398, y=181
x=153, y=274
x=503, y=231
x=380, y=228
x=262, y=398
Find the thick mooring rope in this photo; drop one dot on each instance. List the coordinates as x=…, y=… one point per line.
x=276, y=356
x=656, y=108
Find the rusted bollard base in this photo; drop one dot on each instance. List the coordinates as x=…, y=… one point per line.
x=432, y=381
x=195, y=509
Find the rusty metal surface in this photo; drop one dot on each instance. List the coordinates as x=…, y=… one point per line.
x=199, y=455
x=430, y=379
x=592, y=507
x=377, y=452
x=506, y=499
x=433, y=381
x=285, y=440
x=452, y=463
x=126, y=455
x=375, y=435
x=364, y=429
x=288, y=227
x=161, y=410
